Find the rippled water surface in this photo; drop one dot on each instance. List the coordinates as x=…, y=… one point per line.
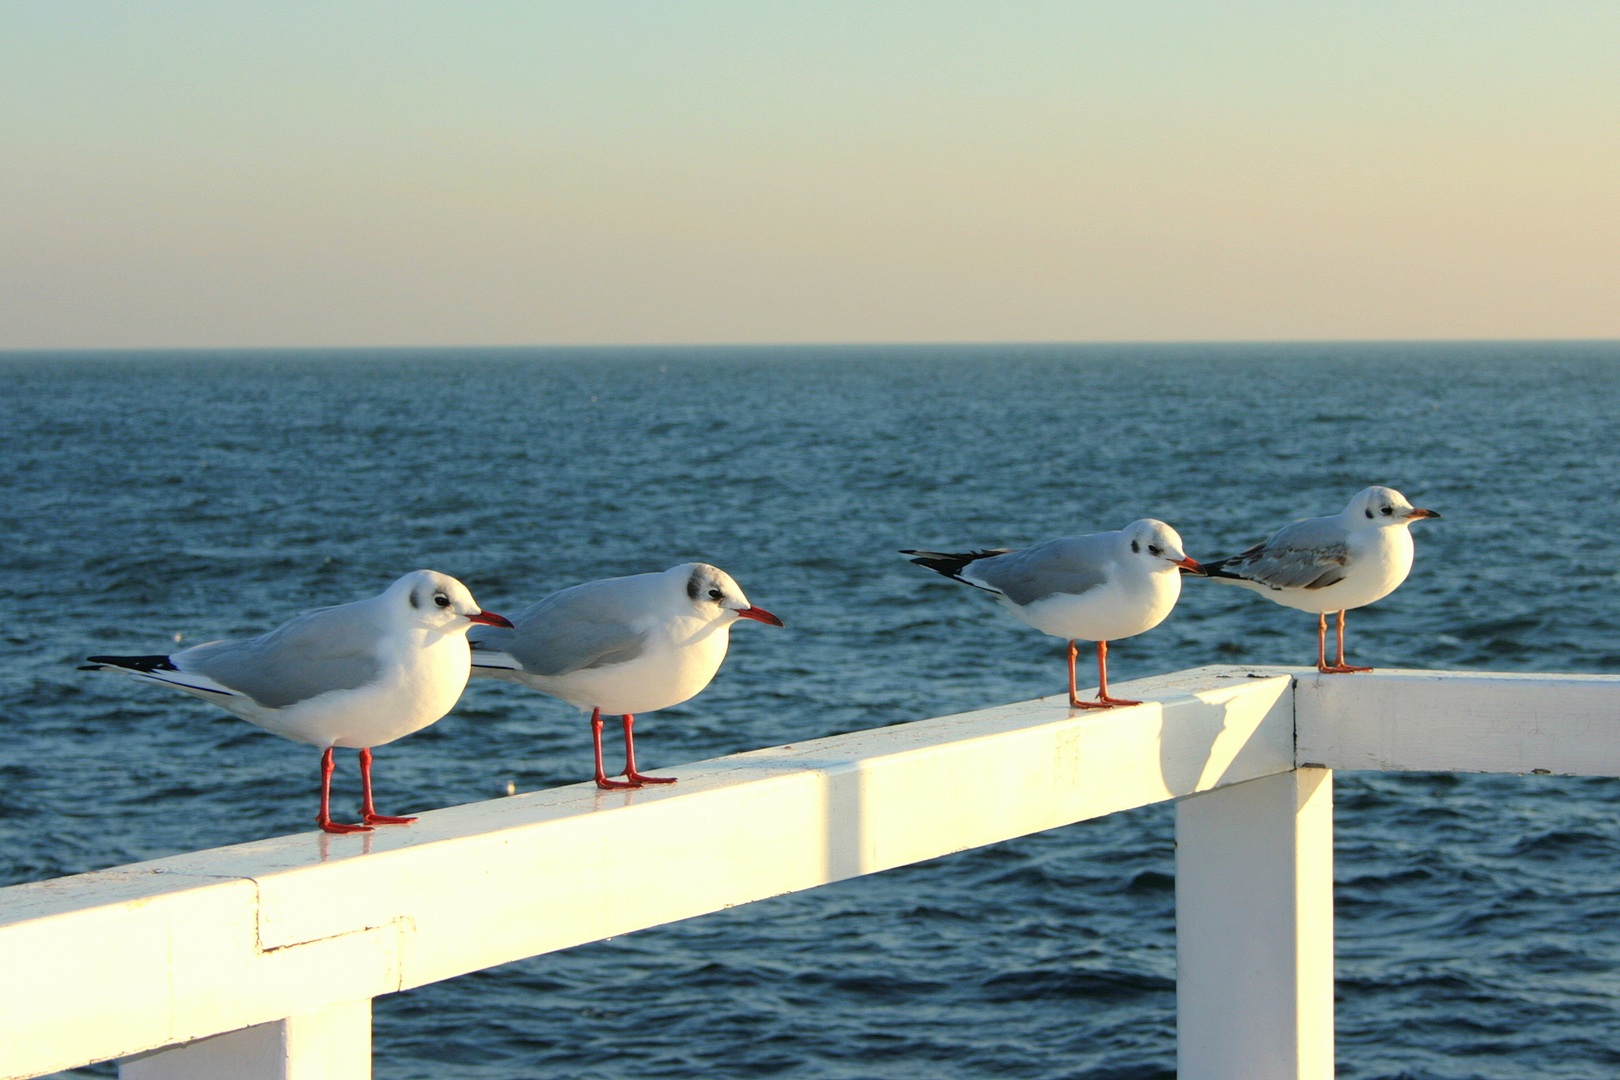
x=155, y=498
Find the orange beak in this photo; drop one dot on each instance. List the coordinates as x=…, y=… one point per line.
x=489, y=618
x=1192, y=566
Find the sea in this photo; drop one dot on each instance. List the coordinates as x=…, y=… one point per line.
x=157, y=499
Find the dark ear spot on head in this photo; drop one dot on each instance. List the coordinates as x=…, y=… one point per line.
x=1135, y=547
x=694, y=587
x=415, y=603
x=1369, y=511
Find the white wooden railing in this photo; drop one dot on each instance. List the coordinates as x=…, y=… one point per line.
x=261, y=960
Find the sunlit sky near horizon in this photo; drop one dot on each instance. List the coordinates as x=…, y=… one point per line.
x=298, y=174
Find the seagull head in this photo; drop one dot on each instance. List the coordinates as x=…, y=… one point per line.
x=1159, y=545
x=440, y=602
x=715, y=595
x=1380, y=507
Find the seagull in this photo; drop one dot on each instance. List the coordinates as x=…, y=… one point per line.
x=622, y=645
x=1322, y=564
x=355, y=675
x=1100, y=587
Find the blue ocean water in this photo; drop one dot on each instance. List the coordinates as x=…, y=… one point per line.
x=155, y=497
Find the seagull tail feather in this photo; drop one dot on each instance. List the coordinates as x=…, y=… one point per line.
x=1227, y=568
x=144, y=665
x=158, y=669
x=952, y=564
x=486, y=660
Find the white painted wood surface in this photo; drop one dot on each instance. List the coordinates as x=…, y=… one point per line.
x=120, y=962
x=1254, y=930
x=1455, y=721
x=138, y=958
x=332, y=1044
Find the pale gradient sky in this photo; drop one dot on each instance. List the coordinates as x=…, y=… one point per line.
x=232, y=174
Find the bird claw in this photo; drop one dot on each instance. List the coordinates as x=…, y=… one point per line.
x=1101, y=703
x=329, y=826
x=385, y=819
x=631, y=781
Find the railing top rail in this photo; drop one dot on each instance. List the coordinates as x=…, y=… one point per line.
x=120, y=961
x=143, y=956
x=1460, y=721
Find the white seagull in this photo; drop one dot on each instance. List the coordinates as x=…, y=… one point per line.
x=622, y=645
x=355, y=675
x=1100, y=587
x=1336, y=563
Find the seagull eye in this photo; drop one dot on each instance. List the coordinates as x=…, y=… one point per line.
x=1155, y=549
x=442, y=600
x=715, y=594
x=1386, y=511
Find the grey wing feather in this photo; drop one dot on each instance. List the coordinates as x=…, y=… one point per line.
x=316, y=653
x=1309, y=554
x=1070, y=566
x=585, y=626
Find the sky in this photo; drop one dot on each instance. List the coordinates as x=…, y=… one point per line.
x=224, y=174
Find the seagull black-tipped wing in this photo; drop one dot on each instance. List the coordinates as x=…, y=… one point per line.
x=586, y=626
x=1068, y=566
x=316, y=653
x=1310, y=554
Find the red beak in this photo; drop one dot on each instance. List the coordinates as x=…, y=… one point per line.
x=1192, y=565
x=759, y=614
x=1418, y=512
x=489, y=618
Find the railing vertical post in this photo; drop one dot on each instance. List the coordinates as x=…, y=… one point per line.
x=1254, y=930
x=333, y=1043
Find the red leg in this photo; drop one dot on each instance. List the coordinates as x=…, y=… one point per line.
x=1339, y=667
x=596, y=742
x=1103, y=700
x=1074, y=696
x=630, y=772
x=324, y=818
x=368, y=812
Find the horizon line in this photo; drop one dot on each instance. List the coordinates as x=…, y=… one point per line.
x=83, y=350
